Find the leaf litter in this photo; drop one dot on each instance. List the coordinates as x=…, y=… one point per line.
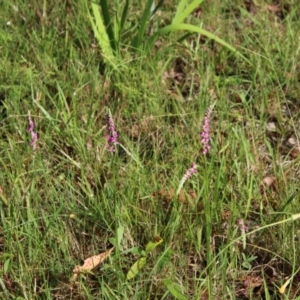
x=90, y=263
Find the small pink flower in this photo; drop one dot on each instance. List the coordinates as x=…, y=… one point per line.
x=205, y=134
x=31, y=125
x=34, y=136
x=243, y=229
x=188, y=174
x=112, y=134
x=242, y=226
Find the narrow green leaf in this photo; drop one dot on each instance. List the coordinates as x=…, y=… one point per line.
x=182, y=15
x=7, y=266
x=113, y=241
x=5, y=256
x=295, y=217
x=120, y=232
x=137, y=266
x=157, y=7
x=179, y=10
x=124, y=16
x=138, y=40
x=116, y=32
x=193, y=28
x=3, y=199
x=43, y=110
x=108, y=24
x=174, y=289
x=137, y=251
x=164, y=259
x=151, y=245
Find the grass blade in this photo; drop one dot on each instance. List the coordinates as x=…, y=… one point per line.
x=157, y=7
x=101, y=35
x=124, y=15
x=179, y=11
x=195, y=29
x=108, y=24
x=181, y=16
x=137, y=42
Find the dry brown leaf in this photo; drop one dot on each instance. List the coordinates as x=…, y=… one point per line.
x=91, y=263
x=268, y=180
x=295, y=152
x=252, y=282
x=269, y=183
x=205, y=295
x=226, y=214
x=274, y=8
x=184, y=197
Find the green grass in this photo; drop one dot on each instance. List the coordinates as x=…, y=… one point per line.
x=72, y=199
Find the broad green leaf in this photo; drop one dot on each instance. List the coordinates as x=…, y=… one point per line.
x=7, y=266
x=164, y=258
x=181, y=15
x=133, y=250
x=192, y=28
x=120, y=232
x=108, y=24
x=151, y=245
x=137, y=266
x=174, y=289
x=113, y=241
x=101, y=35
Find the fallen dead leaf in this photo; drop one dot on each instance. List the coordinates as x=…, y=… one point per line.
x=91, y=263
x=252, y=282
x=253, y=285
x=184, y=197
x=268, y=180
x=274, y=8
x=269, y=183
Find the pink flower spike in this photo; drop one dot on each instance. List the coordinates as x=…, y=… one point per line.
x=33, y=140
x=31, y=125
x=242, y=225
x=205, y=134
x=243, y=231
x=34, y=136
x=112, y=134
x=188, y=174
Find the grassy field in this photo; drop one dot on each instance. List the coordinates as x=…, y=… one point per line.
x=108, y=160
